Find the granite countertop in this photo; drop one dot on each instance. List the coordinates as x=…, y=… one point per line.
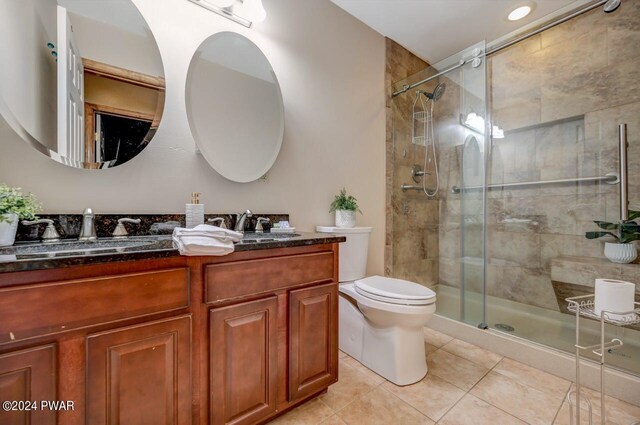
x=37, y=256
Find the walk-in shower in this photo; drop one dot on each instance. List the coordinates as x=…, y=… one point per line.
x=500, y=234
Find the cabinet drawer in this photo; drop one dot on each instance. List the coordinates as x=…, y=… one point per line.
x=35, y=310
x=231, y=280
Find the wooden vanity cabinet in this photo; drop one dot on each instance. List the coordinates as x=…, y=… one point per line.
x=237, y=339
x=244, y=353
x=113, y=339
x=28, y=375
x=140, y=374
x=313, y=340
x=280, y=347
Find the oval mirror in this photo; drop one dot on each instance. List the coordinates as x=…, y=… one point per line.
x=82, y=81
x=235, y=107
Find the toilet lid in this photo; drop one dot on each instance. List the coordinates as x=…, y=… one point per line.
x=394, y=291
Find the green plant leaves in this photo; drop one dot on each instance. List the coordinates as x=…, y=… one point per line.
x=633, y=215
x=342, y=201
x=629, y=237
x=596, y=235
x=606, y=225
x=625, y=232
x=12, y=201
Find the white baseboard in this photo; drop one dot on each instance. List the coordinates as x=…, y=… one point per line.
x=618, y=384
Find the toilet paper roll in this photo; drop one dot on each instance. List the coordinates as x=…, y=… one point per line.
x=614, y=296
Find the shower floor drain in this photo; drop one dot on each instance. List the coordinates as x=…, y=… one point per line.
x=504, y=327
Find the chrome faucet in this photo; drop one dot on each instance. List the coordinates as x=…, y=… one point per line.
x=241, y=218
x=88, y=230
x=219, y=220
x=120, y=232
x=259, y=228
x=50, y=233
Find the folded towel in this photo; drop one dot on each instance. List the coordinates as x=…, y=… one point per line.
x=205, y=239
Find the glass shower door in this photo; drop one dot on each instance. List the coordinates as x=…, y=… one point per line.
x=471, y=191
x=438, y=238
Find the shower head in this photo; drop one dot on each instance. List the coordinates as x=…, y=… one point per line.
x=612, y=5
x=437, y=92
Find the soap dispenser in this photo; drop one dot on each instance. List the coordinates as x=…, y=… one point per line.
x=194, y=211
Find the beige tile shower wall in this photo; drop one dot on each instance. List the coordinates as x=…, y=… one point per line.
x=560, y=95
x=411, y=245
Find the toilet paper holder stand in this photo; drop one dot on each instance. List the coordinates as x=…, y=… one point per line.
x=584, y=306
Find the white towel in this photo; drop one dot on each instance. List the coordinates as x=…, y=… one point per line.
x=205, y=239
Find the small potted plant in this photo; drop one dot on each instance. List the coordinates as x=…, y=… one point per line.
x=625, y=233
x=345, y=207
x=14, y=206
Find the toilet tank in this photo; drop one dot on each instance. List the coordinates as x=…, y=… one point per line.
x=353, y=252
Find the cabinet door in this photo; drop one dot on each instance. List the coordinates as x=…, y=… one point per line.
x=28, y=375
x=140, y=374
x=313, y=340
x=244, y=351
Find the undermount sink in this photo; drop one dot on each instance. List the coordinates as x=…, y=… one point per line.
x=266, y=237
x=74, y=247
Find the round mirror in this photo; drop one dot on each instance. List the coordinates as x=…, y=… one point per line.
x=82, y=81
x=235, y=107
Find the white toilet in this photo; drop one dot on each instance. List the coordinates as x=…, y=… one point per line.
x=381, y=319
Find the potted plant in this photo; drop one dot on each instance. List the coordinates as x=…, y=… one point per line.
x=14, y=206
x=625, y=233
x=345, y=207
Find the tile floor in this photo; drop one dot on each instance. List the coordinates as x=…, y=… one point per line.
x=465, y=385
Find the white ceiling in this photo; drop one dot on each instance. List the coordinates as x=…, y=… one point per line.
x=436, y=29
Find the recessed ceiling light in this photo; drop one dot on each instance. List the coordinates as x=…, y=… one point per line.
x=519, y=13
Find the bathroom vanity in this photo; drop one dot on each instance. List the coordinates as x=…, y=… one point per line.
x=147, y=336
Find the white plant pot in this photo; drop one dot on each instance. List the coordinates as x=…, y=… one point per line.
x=8, y=229
x=345, y=218
x=620, y=252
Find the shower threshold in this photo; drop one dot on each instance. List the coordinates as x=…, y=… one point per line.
x=540, y=325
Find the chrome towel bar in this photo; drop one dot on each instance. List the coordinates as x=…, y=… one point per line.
x=611, y=178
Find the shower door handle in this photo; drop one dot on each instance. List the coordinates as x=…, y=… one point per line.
x=624, y=184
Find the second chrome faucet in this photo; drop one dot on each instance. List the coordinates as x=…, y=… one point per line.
x=88, y=229
x=241, y=219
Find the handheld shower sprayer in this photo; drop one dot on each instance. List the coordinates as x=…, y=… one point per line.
x=428, y=137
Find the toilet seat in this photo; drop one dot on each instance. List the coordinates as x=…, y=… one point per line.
x=394, y=291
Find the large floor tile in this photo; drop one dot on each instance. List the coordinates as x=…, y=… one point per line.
x=473, y=411
x=333, y=420
x=436, y=338
x=380, y=407
x=311, y=413
x=455, y=370
x=533, y=377
x=473, y=353
x=374, y=377
x=617, y=412
x=351, y=385
x=429, y=348
x=526, y=403
x=432, y=396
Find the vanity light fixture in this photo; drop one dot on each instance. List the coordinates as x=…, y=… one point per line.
x=519, y=13
x=243, y=12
